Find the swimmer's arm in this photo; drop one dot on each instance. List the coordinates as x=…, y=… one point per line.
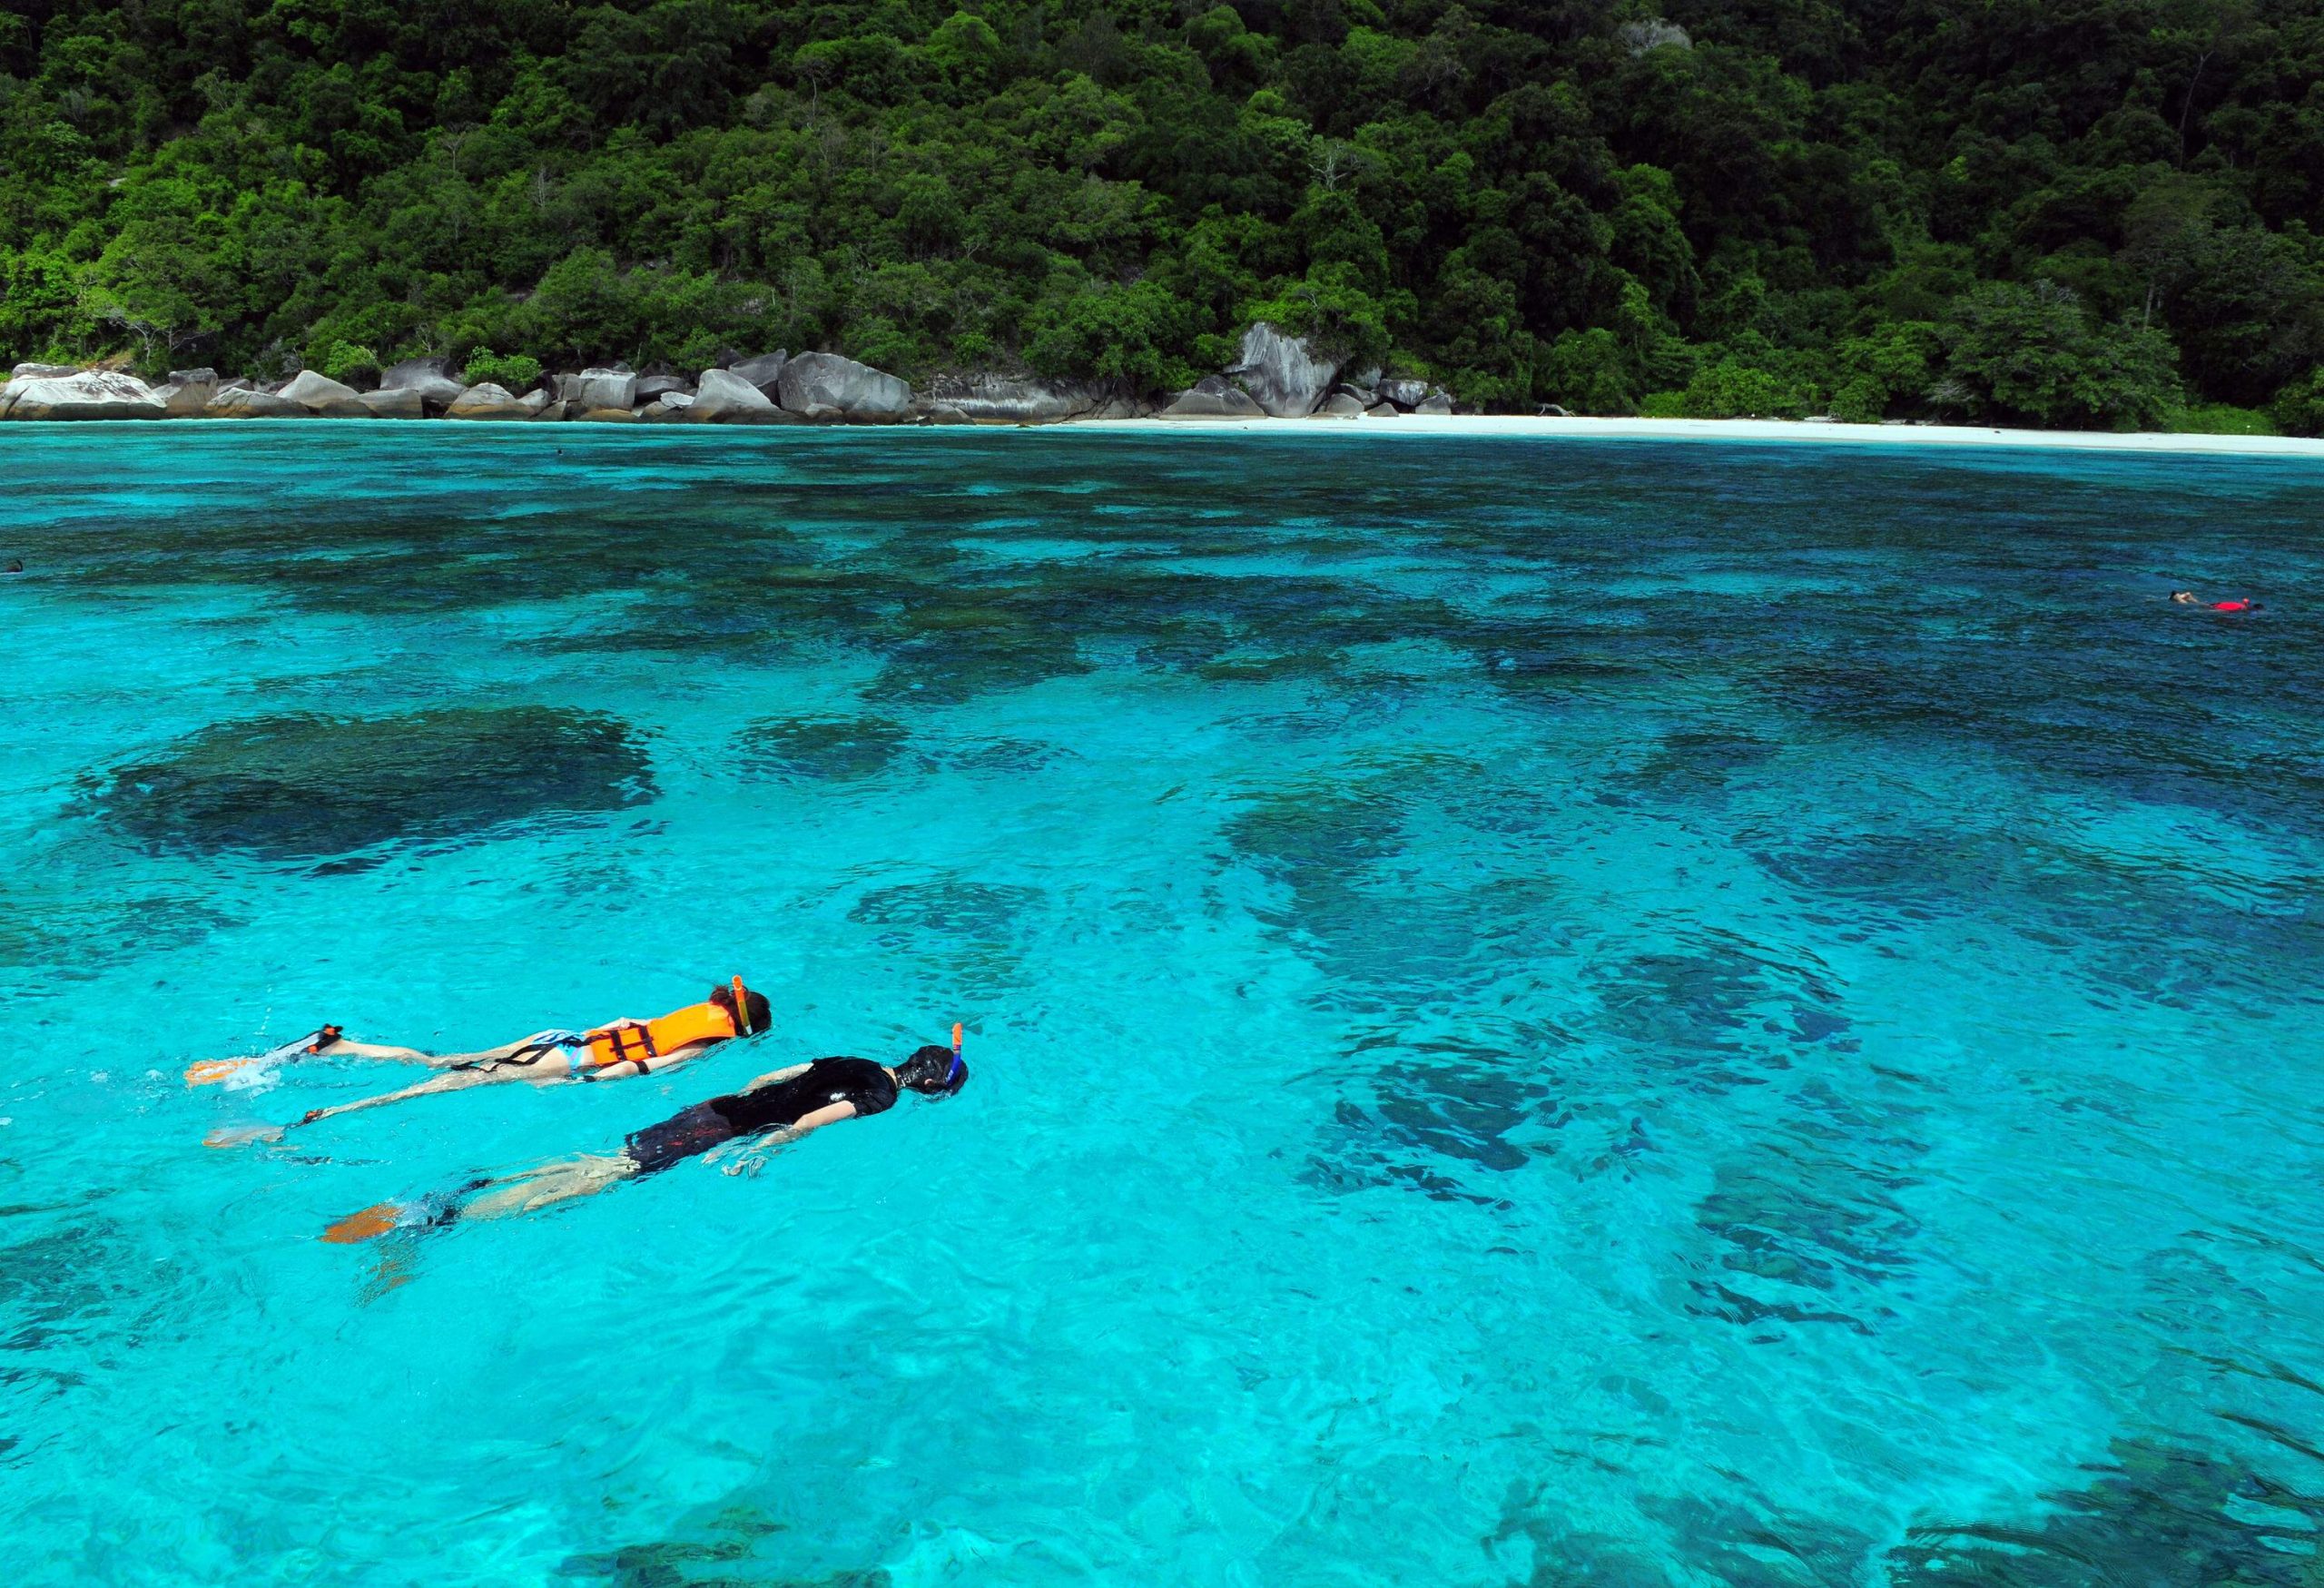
x=807, y=1124
x=459, y=1080
x=771, y=1076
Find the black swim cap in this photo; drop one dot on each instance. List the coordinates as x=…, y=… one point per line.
x=933, y=1071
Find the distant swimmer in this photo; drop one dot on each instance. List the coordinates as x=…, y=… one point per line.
x=2241, y=604
x=774, y=1110
x=608, y=1052
x=16, y=565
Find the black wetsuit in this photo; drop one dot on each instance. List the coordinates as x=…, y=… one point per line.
x=699, y=1128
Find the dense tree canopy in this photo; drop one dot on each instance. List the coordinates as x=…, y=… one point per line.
x=2053, y=212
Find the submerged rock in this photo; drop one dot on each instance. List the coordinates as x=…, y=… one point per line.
x=822, y=747
x=84, y=394
x=722, y=394
x=858, y=391
x=1282, y=374
x=307, y=787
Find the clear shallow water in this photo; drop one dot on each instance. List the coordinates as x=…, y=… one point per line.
x=1628, y=1013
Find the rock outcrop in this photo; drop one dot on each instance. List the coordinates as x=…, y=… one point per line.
x=608, y=416
x=243, y=402
x=1404, y=393
x=723, y=395
x=82, y=394
x=1282, y=374
x=1435, y=402
x=318, y=393
x=487, y=401
x=859, y=392
x=1339, y=405
x=765, y=373
x=403, y=404
x=187, y=396
x=600, y=386
x=431, y=377
x=944, y=414
x=653, y=388
x=1211, y=398
x=1018, y=400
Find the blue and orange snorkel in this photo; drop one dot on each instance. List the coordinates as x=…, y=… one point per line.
x=952, y=1076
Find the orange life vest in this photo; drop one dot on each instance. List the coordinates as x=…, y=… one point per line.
x=697, y=1022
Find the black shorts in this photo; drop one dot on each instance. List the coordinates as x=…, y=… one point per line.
x=678, y=1137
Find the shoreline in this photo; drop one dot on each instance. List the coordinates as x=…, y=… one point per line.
x=1827, y=433
x=1412, y=426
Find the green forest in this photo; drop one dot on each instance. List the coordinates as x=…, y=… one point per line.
x=2054, y=212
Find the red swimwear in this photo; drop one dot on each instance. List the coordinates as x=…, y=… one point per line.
x=2231, y=606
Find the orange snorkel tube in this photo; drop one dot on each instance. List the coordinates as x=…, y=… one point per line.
x=741, y=1009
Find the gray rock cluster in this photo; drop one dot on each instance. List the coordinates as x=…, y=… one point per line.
x=1283, y=377
x=1277, y=376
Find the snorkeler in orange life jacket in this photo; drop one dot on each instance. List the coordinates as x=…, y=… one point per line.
x=607, y=1052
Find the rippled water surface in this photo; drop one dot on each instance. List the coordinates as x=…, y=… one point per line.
x=1623, y=1013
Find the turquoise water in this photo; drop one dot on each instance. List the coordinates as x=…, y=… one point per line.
x=1627, y=1012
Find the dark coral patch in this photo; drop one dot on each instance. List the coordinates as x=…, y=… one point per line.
x=822, y=747
x=307, y=787
x=2158, y=1515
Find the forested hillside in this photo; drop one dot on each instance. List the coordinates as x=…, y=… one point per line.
x=2047, y=212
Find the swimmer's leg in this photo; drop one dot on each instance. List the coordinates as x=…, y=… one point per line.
x=551, y=1065
x=343, y=1049
x=551, y=1184
x=525, y=1192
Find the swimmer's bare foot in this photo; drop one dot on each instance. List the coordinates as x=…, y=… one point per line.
x=242, y=1135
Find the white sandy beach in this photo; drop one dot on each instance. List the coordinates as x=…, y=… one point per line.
x=1820, y=433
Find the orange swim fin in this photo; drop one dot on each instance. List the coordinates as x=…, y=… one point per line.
x=209, y=1071
x=371, y=1224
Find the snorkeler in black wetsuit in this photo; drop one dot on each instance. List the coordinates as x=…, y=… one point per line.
x=774, y=1110
x=828, y=1090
